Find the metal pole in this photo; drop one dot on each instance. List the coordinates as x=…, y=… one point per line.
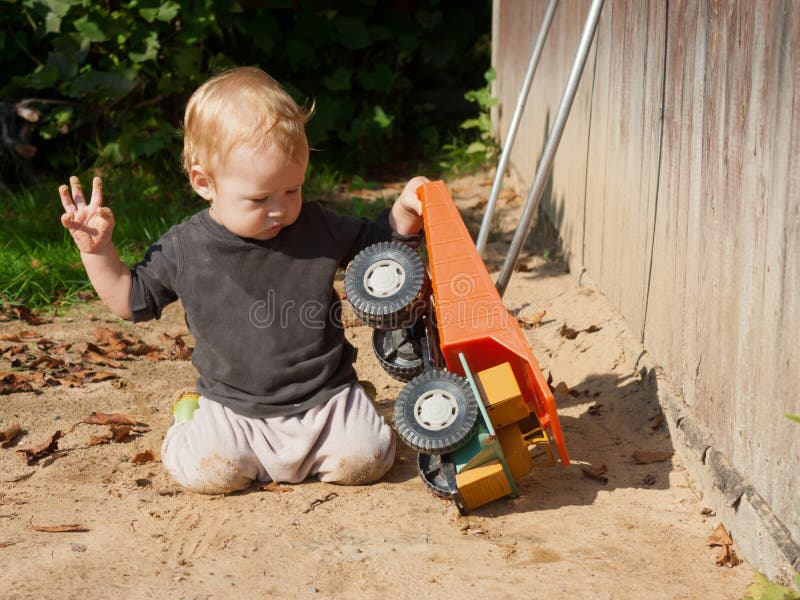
x=546, y=162
x=483, y=234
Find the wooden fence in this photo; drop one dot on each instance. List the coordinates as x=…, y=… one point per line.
x=676, y=189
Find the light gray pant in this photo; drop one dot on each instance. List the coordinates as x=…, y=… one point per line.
x=344, y=440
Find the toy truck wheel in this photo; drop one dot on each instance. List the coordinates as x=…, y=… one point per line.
x=387, y=286
x=399, y=353
x=436, y=412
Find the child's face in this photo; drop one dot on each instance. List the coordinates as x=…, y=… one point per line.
x=257, y=193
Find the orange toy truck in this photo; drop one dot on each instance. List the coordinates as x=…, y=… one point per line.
x=476, y=405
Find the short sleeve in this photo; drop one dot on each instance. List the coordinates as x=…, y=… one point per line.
x=155, y=279
x=354, y=234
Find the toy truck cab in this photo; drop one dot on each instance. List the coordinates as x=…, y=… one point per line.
x=476, y=403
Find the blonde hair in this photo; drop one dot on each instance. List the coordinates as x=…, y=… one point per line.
x=242, y=106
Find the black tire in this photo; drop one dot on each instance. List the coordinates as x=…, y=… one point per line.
x=399, y=352
x=387, y=286
x=436, y=473
x=436, y=412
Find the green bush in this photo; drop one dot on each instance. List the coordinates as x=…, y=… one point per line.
x=111, y=79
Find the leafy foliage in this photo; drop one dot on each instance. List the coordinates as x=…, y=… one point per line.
x=465, y=155
x=112, y=78
x=764, y=589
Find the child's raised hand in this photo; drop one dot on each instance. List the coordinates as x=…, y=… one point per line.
x=90, y=225
x=407, y=209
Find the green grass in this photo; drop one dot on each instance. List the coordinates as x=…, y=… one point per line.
x=39, y=263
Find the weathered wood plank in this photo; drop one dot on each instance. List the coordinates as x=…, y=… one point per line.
x=624, y=152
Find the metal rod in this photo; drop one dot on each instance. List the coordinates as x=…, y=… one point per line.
x=549, y=153
x=483, y=234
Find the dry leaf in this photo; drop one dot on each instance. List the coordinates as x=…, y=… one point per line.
x=273, y=487
x=656, y=422
x=94, y=354
x=595, y=409
x=522, y=267
x=533, y=321
x=9, y=436
x=23, y=313
x=31, y=455
x=562, y=388
x=719, y=536
x=179, y=350
x=57, y=528
x=568, y=332
x=597, y=473
x=120, y=432
x=19, y=336
x=115, y=433
x=12, y=383
x=645, y=457
x=592, y=329
x=100, y=418
x=143, y=457
x=96, y=440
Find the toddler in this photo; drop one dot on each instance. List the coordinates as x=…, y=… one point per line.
x=278, y=397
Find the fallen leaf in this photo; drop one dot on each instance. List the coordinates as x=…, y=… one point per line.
x=19, y=336
x=100, y=418
x=273, y=487
x=644, y=457
x=95, y=355
x=595, y=409
x=12, y=383
x=533, y=321
x=90, y=376
x=96, y=440
x=9, y=436
x=656, y=422
x=179, y=350
x=596, y=472
x=719, y=536
x=57, y=528
x=143, y=457
x=708, y=512
x=522, y=267
x=170, y=491
x=592, y=329
x=23, y=313
x=120, y=432
x=115, y=433
x=562, y=388
x=32, y=455
x=568, y=332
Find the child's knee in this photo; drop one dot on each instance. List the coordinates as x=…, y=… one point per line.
x=365, y=461
x=212, y=470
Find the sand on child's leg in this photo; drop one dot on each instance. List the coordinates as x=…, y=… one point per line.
x=210, y=453
x=358, y=446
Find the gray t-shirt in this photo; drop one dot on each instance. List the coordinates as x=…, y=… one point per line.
x=264, y=315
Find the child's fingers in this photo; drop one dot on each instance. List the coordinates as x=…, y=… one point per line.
x=77, y=191
x=66, y=200
x=66, y=219
x=97, y=192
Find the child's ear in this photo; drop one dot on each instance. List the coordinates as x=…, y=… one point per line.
x=201, y=182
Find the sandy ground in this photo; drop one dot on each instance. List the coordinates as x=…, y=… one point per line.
x=643, y=534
